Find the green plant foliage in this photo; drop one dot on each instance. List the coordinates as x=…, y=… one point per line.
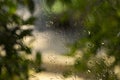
x=12, y=65
x=50, y=3
x=38, y=62
x=30, y=5
x=101, y=21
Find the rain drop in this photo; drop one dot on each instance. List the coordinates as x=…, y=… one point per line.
x=89, y=32
x=89, y=71
x=102, y=43
x=103, y=75
x=51, y=22
x=90, y=45
x=118, y=35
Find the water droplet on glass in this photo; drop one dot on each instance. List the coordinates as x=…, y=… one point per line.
x=102, y=43
x=118, y=35
x=103, y=75
x=89, y=32
x=90, y=45
x=51, y=22
x=89, y=71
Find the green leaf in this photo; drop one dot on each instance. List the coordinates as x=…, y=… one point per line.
x=30, y=4
x=12, y=9
x=50, y=3
x=25, y=33
x=26, y=49
x=38, y=58
x=30, y=20
x=67, y=1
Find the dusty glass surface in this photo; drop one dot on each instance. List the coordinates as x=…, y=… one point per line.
x=60, y=40
x=80, y=30
x=53, y=43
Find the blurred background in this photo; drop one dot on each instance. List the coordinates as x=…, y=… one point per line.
x=59, y=40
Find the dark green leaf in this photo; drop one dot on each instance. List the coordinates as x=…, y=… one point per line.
x=30, y=20
x=30, y=4
x=25, y=33
x=50, y=2
x=38, y=58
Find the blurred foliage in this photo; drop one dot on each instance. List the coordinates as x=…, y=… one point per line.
x=101, y=21
x=12, y=65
